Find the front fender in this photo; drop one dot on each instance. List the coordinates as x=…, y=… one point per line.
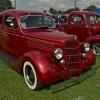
x=90, y=59
x=45, y=67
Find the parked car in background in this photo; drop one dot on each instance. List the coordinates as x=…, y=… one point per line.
x=57, y=18
x=31, y=45
x=86, y=25
x=65, y=17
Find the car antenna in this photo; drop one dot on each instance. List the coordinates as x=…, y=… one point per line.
x=26, y=16
x=44, y=14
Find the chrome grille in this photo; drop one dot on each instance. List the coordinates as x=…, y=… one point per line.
x=73, y=55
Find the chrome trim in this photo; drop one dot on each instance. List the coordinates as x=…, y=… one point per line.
x=73, y=48
x=72, y=55
x=74, y=62
x=35, y=27
x=74, y=70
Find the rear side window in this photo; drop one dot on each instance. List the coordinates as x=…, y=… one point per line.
x=11, y=22
x=1, y=18
x=92, y=19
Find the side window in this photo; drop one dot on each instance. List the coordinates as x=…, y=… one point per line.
x=77, y=19
x=11, y=22
x=1, y=18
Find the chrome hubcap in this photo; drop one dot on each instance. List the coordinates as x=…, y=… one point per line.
x=96, y=48
x=29, y=75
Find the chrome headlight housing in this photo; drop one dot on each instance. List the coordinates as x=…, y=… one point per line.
x=58, y=53
x=86, y=47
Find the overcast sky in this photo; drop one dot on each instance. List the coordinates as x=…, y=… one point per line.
x=40, y=5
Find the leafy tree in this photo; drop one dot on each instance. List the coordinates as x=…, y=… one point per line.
x=77, y=9
x=44, y=11
x=5, y=5
x=59, y=12
x=52, y=10
x=70, y=10
x=64, y=12
x=90, y=8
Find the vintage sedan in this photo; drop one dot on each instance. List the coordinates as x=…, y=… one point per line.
x=31, y=45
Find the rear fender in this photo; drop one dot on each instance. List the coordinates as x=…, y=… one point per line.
x=93, y=39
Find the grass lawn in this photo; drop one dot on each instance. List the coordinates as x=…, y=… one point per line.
x=13, y=87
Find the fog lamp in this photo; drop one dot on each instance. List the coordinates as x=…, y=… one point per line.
x=83, y=55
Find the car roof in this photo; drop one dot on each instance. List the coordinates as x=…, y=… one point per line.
x=84, y=13
x=24, y=12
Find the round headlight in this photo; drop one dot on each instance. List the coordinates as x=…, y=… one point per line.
x=86, y=47
x=58, y=53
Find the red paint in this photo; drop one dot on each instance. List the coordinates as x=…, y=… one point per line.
x=37, y=45
x=87, y=31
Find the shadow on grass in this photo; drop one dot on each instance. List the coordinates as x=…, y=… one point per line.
x=66, y=87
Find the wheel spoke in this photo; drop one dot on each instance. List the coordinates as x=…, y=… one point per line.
x=98, y=48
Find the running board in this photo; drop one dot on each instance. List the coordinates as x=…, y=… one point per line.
x=7, y=58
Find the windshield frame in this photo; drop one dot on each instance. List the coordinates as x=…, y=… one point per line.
x=39, y=26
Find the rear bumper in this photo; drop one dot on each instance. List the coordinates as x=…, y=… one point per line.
x=74, y=80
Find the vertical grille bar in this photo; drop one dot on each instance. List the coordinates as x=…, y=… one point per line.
x=73, y=56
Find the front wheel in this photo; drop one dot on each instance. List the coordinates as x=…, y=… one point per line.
x=96, y=48
x=31, y=77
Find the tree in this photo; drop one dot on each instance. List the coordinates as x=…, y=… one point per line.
x=64, y=12
x=44, y=11
x=77, y=9
x=72, y=9
x=69, y=10
x=52, y=10
x=5, y=5
x=90, y=8
x=59, y=12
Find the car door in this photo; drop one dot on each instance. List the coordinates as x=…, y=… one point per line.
x=77, y=27
x=11, y=41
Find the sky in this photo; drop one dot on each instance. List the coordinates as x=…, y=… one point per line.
x=40, y=5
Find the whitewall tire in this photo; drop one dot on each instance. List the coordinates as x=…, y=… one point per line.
x=31, y=77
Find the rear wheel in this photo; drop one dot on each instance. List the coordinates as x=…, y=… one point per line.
x=31, y=77
x=96, y=48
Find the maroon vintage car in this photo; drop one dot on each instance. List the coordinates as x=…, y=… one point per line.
x=86, y=25
x=31, y=45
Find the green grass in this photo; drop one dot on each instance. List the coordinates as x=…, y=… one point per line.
x=13, y=87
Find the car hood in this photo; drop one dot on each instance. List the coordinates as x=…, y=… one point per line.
x=49, y=34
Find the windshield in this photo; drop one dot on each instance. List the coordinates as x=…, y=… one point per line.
x=92, y=19
x=36, y=21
